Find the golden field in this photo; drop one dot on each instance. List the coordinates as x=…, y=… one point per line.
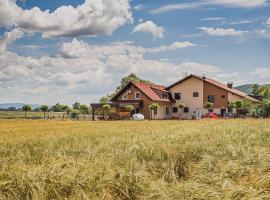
x=206, y=159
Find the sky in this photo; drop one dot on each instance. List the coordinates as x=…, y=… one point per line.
x=78, y=50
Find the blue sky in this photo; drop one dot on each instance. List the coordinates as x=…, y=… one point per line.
x=66, y=51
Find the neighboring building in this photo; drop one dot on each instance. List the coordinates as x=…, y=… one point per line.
x=193, y=91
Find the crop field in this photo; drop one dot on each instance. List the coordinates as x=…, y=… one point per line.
x=206, y=159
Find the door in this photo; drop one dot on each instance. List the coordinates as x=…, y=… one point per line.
x=198, y=113
x=222, y=112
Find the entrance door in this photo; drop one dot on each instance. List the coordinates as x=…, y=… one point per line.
x=222, y=112
x=137, y=110
x=198, y=113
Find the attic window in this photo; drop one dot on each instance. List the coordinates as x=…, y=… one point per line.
x=137, y=95
x=165, y=96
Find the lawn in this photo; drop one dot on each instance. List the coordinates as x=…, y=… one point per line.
x=206, y=159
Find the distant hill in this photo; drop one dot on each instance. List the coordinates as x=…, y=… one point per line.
x=247, y=88
x=17, y=105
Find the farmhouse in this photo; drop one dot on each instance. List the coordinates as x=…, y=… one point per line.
x=193, y=91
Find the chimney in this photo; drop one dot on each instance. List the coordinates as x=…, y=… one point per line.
x=204, y=77
x=230, y=85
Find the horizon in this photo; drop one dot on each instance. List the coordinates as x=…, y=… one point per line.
x=69, y=51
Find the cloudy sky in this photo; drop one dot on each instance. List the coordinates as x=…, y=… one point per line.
x=77, y=50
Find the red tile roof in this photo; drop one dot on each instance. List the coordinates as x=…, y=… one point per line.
x=147, y=89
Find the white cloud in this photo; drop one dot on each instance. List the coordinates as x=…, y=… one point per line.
x=268, y=21
x=222, y=32
x=9, y=38
x=213, y=19
x=262, y=72
x=138, y=7
x=195, y=5
x=173, y=46
x=93, y=17
x=150, y=27
x=263, y=33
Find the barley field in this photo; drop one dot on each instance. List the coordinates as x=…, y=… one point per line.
x=206, y=159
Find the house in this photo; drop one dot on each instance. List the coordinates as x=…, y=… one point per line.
x=193, y=91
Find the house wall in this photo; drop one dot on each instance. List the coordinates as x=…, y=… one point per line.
x=186, y=89
x=233, y=97
x=161, y=112
x=210, y=89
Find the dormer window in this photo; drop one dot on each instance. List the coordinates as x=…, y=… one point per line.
x=137, y=95
x=165, y=96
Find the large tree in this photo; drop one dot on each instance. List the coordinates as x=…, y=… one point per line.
x=125, y=80
x=44, y=109
x=84, y=110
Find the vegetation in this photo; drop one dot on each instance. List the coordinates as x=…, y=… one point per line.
x=75, y=114
x=44, y=109
x=208, y=105
x=84, y=110
x=129, y=108
x=106, y=109
x=207, y=160
x=26, y=108
x=181, y=107
x=153, y=108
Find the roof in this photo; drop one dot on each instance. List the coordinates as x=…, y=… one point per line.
x=147, y=89
x=218, y=84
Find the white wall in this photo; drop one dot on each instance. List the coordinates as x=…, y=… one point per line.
x=186, y=89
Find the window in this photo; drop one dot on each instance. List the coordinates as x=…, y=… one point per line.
x=137, y=95
x=211, y=98
x=177, y=96
x=195, y=94
x=167, y=110
x=175, y=110
x=186, y=109
x=223, y=96
x=165, y=96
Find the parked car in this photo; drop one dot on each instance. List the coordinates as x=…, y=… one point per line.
x=138, y=116
x=211, y=115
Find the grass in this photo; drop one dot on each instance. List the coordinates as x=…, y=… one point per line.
x=207, y=159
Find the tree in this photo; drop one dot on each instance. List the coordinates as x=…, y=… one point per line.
x=44, y=109
x=129, y=108
x=208, y=105
x=266, y=108
x=238, y=106
x=153, y=108
x=56, y=108
x=76, y=106
x=247, y=105
x=75, y=114
x=231, y=106
x=84, y=110
x=26, y=108
x=64, y=109
x=181, y=107
x=256, y=89
x=106, y=109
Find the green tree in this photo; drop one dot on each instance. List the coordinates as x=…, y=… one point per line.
x=44, y=109
x=26, y=108
x=106, y=109
x=64, y=109
x=208, y=105
x=238, y=106
x=256, y=89
x=266, y=108
x=84, y=110
x=231, y=106
x=247, y=105
x=56, y=108
x=75, y=114
x=181, y=107
x=153, y=108
x=129, y=108
x=76, y=106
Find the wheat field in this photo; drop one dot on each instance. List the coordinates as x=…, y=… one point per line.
x=206, y=159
